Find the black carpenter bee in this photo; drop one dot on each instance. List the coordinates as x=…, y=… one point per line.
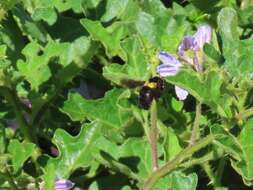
x=151, y=89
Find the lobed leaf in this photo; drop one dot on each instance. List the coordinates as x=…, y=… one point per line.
x=113, y=109
x=207, y=90
x=20, y=152
x=75, y=152
x=136, y=67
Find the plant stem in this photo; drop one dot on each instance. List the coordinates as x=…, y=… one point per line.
x=245, y=114
x=219, y=172
x=13, y=99
x=195, y=130
x=153, y=134
x=171, y=165
x=207, y=168
x=198, y=161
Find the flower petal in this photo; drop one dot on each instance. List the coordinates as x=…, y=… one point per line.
x=169, y=59
x=165, y=70
x=202, y=36
x=63, y=184
x=181, y=93
x=187, y=43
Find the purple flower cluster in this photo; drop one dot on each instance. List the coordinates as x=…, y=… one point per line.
x=171, y=65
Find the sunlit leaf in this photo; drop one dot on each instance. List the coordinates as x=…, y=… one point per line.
x=112, y=110
x=75, y=151
x=20, y=152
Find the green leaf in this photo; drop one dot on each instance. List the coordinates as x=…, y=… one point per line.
x=75, y=5
x=237, y=53
x=207, y=89
x=227, y=24
x=114, y=8
x=211, y=52
x=47, y=14
x=154, y=7
x=75, y=151
x=136, y=67
x=110, y=40
x=134, y=152
x=11, y=36
x=28, y=26
x=239, y=58
x=172, y=32
x=182, y=182
x=239, y=148
x=225, y=140
x=245, y=166
x=171, y=145
x=35, y=69
x=41, y=10
x=145, y=27
x=163, y=32
x=20, y=152
x=113, y=109
x=49, y=177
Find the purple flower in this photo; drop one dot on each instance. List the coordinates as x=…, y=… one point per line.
x=202, y=36
x=169, y=67
x=181, y=93
x=63, y=184
x=60, y=184
x=196, y=44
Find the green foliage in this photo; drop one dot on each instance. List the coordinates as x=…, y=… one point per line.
x=75, y=152
x=206, y=89
x=112, y=110
x=71, y=74
x=181, y=181
x=137, y=67
x=20, y=152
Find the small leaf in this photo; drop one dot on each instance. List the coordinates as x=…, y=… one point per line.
x=245, y=167
x=182, y=182
x=171, y=145
x=145, y=27
x=206, y=90
x=28, y=26
x=239, y=148
x=135, y=68
x=211, y=52
x=225, y=140
x=163, y=32
x=47, y=14
x=112, y=110
x=35, y=68
x=134, y=152
x=114, y=8
x=20, y=152
x=227, y=24
x=75, y=151
x=238, y=58
x=110, y=40
x=237, y=53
